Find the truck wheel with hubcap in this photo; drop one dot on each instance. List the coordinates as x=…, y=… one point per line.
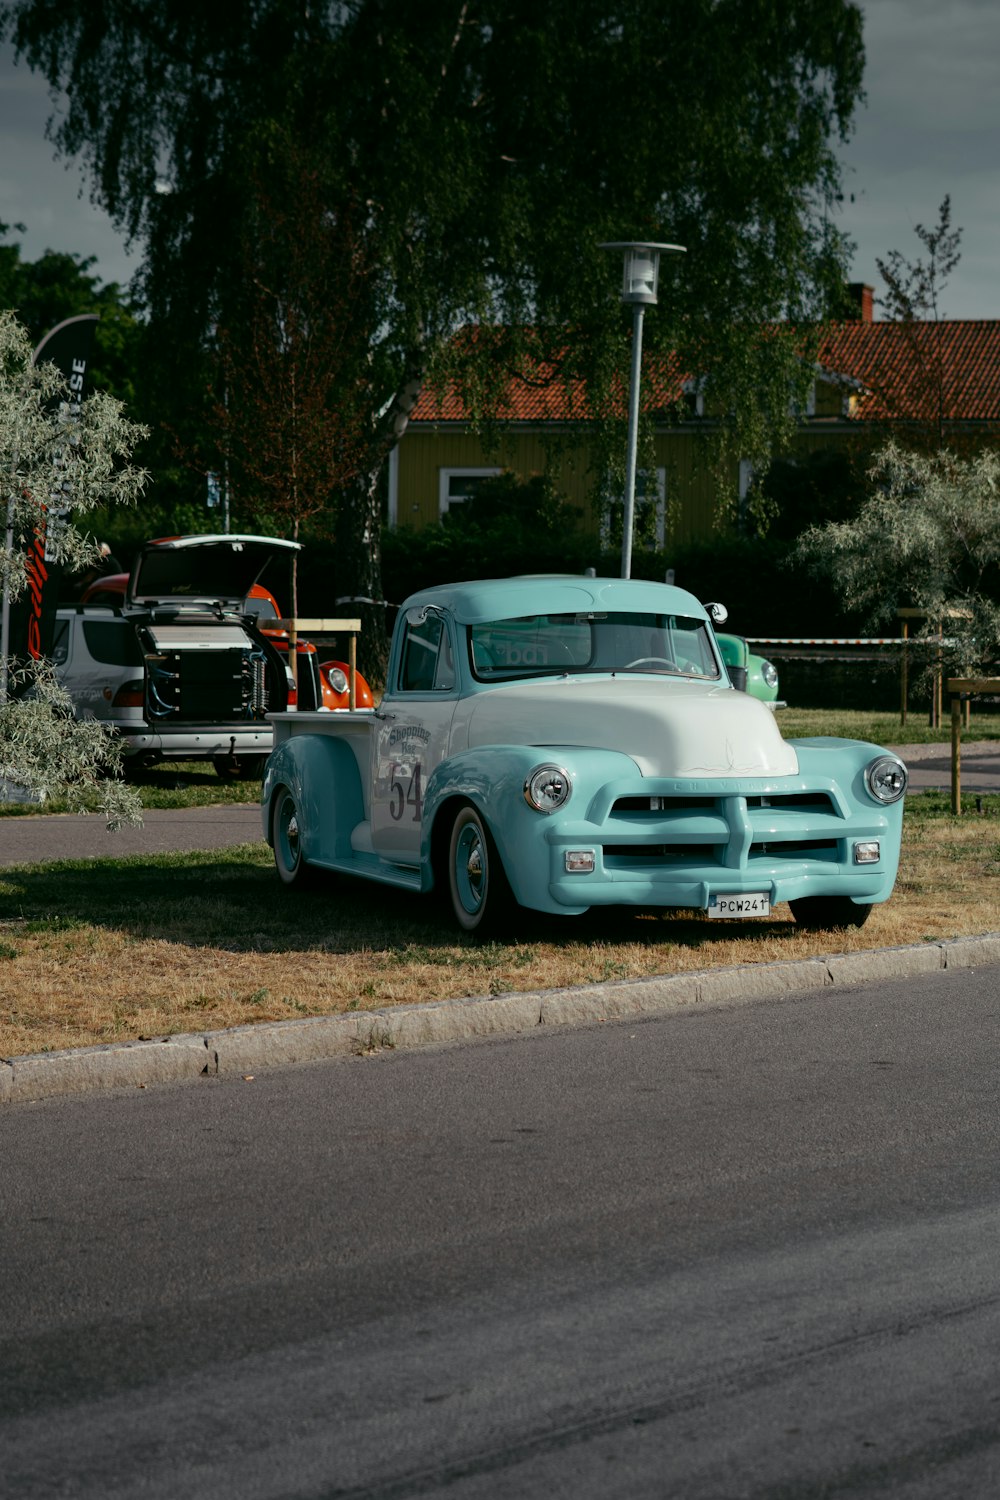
x=288, y=843
x=829, y=911
x=481, y=897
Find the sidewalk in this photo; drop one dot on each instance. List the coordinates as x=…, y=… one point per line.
x=34, y=837
x=930, y=766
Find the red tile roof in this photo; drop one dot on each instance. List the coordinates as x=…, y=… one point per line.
x=547, y=398
x=891, y=366
x=905, y=370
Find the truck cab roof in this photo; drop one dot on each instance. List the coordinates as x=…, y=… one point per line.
x=479, y=600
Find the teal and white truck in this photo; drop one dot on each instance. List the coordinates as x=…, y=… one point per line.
x=568, y=743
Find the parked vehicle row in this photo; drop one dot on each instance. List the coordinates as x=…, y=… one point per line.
x=553, y=743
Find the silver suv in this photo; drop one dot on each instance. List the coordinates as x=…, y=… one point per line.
x=181, y=669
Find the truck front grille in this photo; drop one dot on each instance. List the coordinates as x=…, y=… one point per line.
x=731, y=832
x=818, y=801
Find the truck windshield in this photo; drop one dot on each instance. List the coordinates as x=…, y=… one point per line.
x=534, y=645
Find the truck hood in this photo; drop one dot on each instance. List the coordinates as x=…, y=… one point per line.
x=669, y=727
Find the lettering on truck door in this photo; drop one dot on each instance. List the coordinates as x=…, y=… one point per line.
x=413, y=729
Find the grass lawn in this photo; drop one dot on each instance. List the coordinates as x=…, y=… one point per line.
x=116, y=949
x=882, y=729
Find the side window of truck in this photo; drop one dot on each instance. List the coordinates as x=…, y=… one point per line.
x=426, y=664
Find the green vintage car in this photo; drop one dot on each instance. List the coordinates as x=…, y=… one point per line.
x=761, y=680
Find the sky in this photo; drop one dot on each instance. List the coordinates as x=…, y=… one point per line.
x=930, y=126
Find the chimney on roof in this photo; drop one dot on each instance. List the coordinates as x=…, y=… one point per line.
x=862, y=301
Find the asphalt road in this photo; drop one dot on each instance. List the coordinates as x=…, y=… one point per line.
x=34, y=837
x=747, y=1252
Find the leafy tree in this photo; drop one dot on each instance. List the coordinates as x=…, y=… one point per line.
x=513, y=526
x=286, y=437
x=78, y=452
x=914, y=288
x=826, y=485
x=927, y=538
x=57, y=286
x=469, y=162
x=912, y=299
x=43, y=293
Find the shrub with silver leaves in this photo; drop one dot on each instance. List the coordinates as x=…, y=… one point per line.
x=927, y=538
x=79, y=453
x=47, y=753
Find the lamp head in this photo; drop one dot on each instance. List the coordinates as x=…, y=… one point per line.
x=641, y=269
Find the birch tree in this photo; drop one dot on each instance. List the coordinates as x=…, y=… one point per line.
x=471, y=159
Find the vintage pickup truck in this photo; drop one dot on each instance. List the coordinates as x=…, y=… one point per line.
x=563, y=743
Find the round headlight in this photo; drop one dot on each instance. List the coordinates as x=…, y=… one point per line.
x=547, y=788
x=769, y=672
x=337, y=680
x=886, y=778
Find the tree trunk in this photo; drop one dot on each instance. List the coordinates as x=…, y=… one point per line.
x=359, y=534
x=359, y=572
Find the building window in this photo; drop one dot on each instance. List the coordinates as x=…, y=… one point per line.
x=746, y=482
x=650, y=520
x=455, y=486
x=693, y=397
x=798, y=409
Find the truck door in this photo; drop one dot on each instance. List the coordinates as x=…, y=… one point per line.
x=413, y=727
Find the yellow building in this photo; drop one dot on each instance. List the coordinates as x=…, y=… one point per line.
x=935, y=382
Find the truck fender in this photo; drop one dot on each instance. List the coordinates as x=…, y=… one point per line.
x=827, y=756
x=491, y=778
x=322, y=774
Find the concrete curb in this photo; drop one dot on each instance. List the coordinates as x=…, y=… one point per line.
x=246, y=1049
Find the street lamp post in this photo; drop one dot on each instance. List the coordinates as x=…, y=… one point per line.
x=641, y=272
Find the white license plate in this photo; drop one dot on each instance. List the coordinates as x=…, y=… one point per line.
x=751, y=904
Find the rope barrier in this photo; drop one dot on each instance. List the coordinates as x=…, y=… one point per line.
x=833, y=640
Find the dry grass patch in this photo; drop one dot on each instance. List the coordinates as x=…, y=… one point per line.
x=109, y=950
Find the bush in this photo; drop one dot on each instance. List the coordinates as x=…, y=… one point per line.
x=513, y=526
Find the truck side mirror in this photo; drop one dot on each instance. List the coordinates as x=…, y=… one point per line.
x=420, y=613
x=717, y=613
